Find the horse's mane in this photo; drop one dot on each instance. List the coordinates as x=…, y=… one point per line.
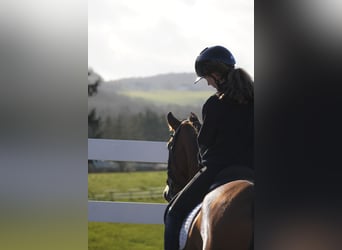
x=190, y=124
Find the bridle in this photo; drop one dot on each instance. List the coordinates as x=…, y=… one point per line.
x=171, y=180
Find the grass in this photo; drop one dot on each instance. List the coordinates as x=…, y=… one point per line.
x=171, y=96
x=106, y=236
x=112, y=236
x=115, y=236
x=100, y=184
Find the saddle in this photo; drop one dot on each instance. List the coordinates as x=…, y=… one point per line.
x=224, y=176
x=184, y=230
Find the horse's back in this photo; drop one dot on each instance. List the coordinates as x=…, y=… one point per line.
x=226, y=218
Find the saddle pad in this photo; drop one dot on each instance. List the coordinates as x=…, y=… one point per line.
x=183, y=235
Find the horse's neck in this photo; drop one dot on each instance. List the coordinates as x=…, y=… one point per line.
x=192, y=157
x=187, y=152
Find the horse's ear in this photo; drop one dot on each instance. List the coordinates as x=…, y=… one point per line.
x=193, y=117
x=195, y=121
x=173, y=121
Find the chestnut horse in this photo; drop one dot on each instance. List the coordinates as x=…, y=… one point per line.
x=225, y=220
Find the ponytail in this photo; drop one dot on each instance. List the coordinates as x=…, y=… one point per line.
x=237, y=87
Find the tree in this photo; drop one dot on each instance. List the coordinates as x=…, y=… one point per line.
x=94, y=80
x=94, y=122
x=94, y=125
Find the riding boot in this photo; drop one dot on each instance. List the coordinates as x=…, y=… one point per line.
x=171, y=233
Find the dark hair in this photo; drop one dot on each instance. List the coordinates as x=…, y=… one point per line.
x=238, y=86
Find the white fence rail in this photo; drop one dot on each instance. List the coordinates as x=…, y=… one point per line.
x=125, y=150
x=134, y=151
x=126, y=212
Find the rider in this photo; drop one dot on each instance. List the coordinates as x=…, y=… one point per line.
x=225, y=139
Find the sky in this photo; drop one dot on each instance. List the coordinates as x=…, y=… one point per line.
x=135, y=38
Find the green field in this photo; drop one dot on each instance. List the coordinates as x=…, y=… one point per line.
x=101, y=186
x=171, y=96
x=115, y=236
x=118, y=236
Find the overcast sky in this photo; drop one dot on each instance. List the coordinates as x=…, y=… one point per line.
x=133, y=38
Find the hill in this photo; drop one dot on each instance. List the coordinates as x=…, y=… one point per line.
x=171, y=81
x=161, y=93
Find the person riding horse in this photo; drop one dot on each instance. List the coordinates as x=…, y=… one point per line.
x=225, y=139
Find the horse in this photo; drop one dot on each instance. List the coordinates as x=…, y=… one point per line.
x=225, y=219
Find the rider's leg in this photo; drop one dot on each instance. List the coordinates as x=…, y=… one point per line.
x=191, y=195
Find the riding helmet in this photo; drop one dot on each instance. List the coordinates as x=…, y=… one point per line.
x=214, y=54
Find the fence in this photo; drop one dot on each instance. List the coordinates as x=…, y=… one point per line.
x=126, y=150
x=130, y=194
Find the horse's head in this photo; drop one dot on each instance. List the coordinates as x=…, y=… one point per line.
x=183, y=150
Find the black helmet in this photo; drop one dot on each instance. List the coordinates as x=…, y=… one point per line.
x=214, y=54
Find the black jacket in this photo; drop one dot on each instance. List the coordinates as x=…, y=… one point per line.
x=227, y=134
